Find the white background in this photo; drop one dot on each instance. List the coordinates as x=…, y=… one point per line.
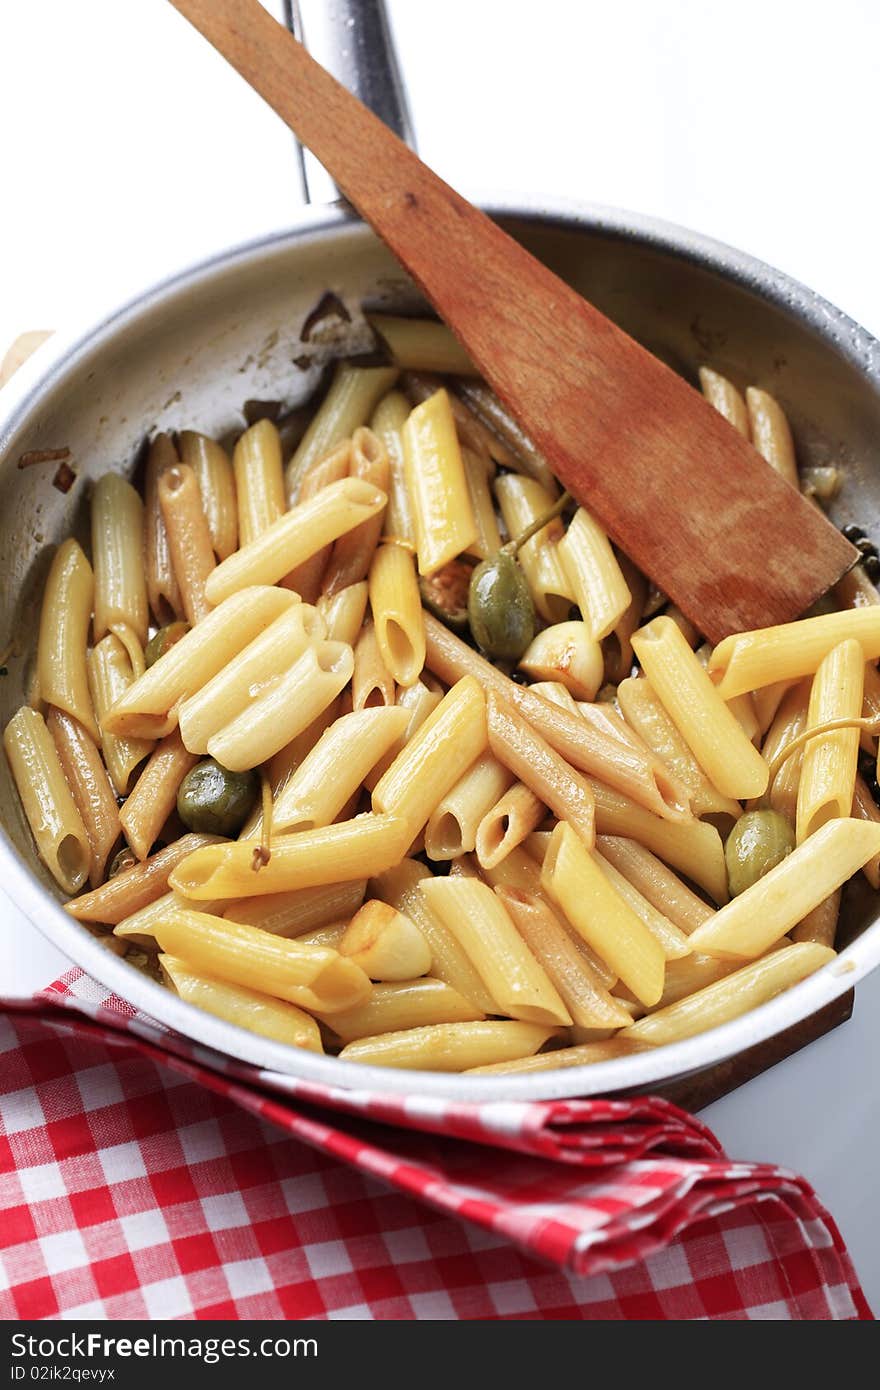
x=128, y=149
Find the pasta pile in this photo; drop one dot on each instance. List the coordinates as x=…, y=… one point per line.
x=347, y=828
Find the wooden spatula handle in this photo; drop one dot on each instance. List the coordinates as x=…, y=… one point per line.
x=688, y=499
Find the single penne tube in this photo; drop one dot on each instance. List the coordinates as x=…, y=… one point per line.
x=729, y=998
x=871, y=707
x=392, y=1008
x=396, y=606
x=65, y=619
x=577, y=880
x=295, y=536
x=452, y=828
x=306, y=578
x=189, y=539
x=335, y=768
x=618, y=644
x=760, y=915
x=343, y=614
x=387, y=421
x=506, y=441
x=46, y=799
x=87, y=778
x=671, y=938
x=557, y=694
x=259, y=481
x=155, y=793
x=479, y=470
x=516, y=813
x=644, y=712
x=820, y=925
x=766, y=702
x=586, y=743
x=565, y=653
x=771, y=433
x=216, y=479
x=592, y=570
x=299, y=910
x=353, y=396
x=330, y=935
x=691, y=973
x=284, y=708
x=117, y=515
x=259, y=1013
x=750, y=660
x=443, y=517
x=372, y=684
x=789, y=722
x=110, y=674
x=864, y=807
x=399, y=887
x=473, y=434
x=239, y=683
x=546, y=774
x=163, y=591
x=386, y=944
x=830, y=761
x=522, y=502
x=582, y=1055
x=477, y=918
x=148, y=708
x=352, y=554
x=138, y=927
x=137, y=887
x=655, y=882
x=435, y=757
x=693, y=847
x=422, y=345
x=581, y=990
x=284, y=763
x=419, y=701
x=694, y=705
x=723, y=395
x=449, y=1046
x=309, y=976
x=332, y=854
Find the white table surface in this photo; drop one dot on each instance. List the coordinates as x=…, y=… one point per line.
x=129, y=150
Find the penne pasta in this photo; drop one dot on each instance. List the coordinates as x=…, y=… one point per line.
x=332, y=854
x=830, y=760
x=216, y=479
x=134, y=889
x=691, y=973
x=749, y=660
x=343, y=614
x=723, y=395
x=353, y=553
x=372, y=684
x=760, y=915
x=259, y=481
x=655, y=882
x=443, y=517
x=585, y=1054
x=335, y=768
x=353, y=396
x=163, y=590
x=300, y=910
x=306, y=579
x=110, y=674
x=671, y=938
x=618, y=644
x=189, y=539
x=576, y=880
x=138, y=927
x=731, y=996
x=547, y=775
x=284, y=707
x=64, y=636
x=148, y=708
x=391, y=1008
x=479, y=470
x=387, y=422
x=270, y=1018
x=120, y=600
x=453, y=826
x=49, y=807
x=699, y=713
x=422, y=345
x=693, y=847
x=789, y=722
x=506, y=442
x=594, y=575
x=155, y=793
x=820, y=925
x=508, y=824
x=312, y=977
x=865, y=808
x=449, y=1046
x=771, y=434
x=522, y=502
x=296, y=536
x=87, y=778
x=396, y=606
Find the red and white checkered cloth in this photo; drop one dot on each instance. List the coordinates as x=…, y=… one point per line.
x=142, y=1176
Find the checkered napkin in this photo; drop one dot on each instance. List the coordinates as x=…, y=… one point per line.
x=142, y=1176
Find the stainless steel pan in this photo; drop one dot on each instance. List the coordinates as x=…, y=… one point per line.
x=191, y=351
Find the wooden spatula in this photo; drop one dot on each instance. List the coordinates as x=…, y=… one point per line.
x=691, y=502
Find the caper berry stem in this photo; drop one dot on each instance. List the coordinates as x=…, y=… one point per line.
x=515, y=546
x=869, y=724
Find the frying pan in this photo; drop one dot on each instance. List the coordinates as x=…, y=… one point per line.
x=191, y=351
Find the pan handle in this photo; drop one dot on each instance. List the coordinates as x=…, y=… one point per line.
x=352, y=40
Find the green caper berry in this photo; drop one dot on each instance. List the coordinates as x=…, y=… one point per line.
x=500, y=608
x=215, y=801
x=163, y=640
x=757, y=843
